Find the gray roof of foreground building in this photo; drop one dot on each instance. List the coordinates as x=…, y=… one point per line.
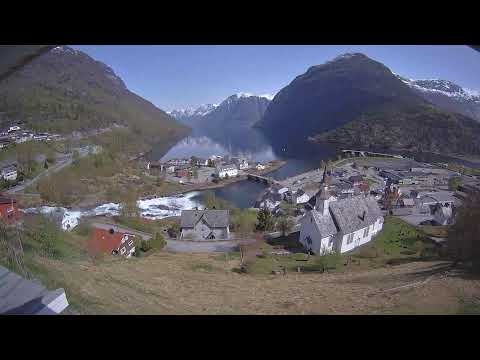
x=324, y=223
x=20, y=296
x=355, y=213
x=214, y=218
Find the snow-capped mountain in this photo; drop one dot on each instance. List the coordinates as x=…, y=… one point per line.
x=447, y=95
x=241, y=108
x=189, y=114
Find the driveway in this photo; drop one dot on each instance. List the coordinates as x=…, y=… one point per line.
x=201, y=247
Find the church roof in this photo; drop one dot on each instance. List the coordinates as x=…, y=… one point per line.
x=355, y=213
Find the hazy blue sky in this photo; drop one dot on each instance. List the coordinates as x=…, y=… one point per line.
x=180, y=76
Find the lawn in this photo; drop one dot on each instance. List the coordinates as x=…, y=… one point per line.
x=397, y=243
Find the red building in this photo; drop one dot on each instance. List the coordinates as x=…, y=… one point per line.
x=112, y=242
x=8, y=210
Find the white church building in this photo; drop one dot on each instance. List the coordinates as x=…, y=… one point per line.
x=339, y=225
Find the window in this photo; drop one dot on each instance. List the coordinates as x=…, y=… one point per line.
x=350, y=238
x=123, y=250
x=365, y=232
x=308, y=240
x=130, y=243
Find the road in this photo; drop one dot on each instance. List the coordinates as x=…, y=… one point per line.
x=61, y=162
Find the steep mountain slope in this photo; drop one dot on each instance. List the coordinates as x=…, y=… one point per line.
x=447, y=95
x=66, y=90
x=239, y=110
x=355, y=98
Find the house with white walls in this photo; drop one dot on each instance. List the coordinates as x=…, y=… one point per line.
x=339, y=225
x=226, y=170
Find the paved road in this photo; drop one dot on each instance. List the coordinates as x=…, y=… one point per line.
x=204, y=246
x=60, y=163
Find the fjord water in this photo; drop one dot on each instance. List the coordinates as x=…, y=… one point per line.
x=253, y=145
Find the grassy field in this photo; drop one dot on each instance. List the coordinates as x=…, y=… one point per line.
x=186, y=283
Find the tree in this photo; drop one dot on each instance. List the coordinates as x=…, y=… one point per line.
x=75, y=157
x=129, y=204
x=26, y=157
x=210, y=163
x=285, y=225
x=174, y=230
x=463, y=236
x=265, y=220
x=454, y=183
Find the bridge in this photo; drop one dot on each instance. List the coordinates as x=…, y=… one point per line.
x=264, y=179
x=370, y=153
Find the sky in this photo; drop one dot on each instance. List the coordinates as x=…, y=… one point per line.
x=180, y=76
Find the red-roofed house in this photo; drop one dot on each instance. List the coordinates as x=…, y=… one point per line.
x=8, y=210
x=112, y=242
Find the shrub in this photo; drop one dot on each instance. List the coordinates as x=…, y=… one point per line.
x=145, y=245
x=158, y=242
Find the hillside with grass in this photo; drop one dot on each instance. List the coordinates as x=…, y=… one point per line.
x=66, y=90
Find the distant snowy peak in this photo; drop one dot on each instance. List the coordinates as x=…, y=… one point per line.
x=243, y=95
x=443, y=87
x=202, y=110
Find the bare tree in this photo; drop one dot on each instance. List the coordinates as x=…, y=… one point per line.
x=463, y=236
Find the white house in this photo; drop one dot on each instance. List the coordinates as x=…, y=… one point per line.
x=204, y=225
x=224, y=170
x=300, y=197
x=443, y=215
x=339, y=225
x=13, y=128
x=243, y=164
x=9, y=173
x=260, y=166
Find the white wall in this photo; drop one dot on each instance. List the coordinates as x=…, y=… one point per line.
x=358, y=238
x=319, y=245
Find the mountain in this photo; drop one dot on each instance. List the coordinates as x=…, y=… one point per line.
x=190, y=115
x=355, y=101
x=66, y=90
x=239, y=110
x=447, y=95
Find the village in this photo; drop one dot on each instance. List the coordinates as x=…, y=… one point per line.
x=338, y=208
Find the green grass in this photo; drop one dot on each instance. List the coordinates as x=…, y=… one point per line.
x=398, y=242
x=204, y=267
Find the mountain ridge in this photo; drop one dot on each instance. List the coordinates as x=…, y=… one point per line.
x=353, y=97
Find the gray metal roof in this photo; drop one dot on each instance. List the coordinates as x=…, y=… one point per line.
x=355, y=213
x=27, y=297
x=325, y=224
x=214, y=218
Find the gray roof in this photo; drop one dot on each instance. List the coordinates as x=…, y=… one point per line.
x=214, y=218
x=325, y=224
x=27, y=297
x=348, y=213
x=440, y=196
